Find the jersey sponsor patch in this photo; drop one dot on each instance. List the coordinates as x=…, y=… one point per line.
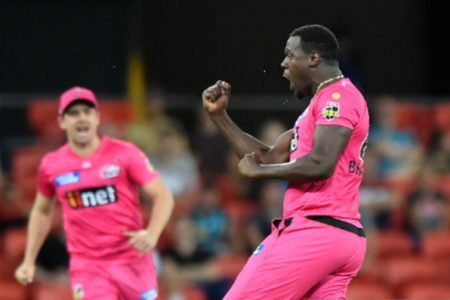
x=150, y=294
x=331, y=110
x=78, y=292
x=67, y=178
x=92, y=197
x=109, y=171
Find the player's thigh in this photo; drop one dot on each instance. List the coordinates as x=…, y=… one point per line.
x=93, y=284
x=299, y=258
x=136, y=280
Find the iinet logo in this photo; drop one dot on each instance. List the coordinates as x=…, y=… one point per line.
x=92, y=197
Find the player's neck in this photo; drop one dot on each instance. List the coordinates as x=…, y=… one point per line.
x=85, y=149
x=327, y=77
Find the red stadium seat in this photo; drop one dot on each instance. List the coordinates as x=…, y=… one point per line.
x=426, y=291
x=418, y=119
x=368, y=290
x=442, y=113
x=402, y=271
x=42, y=117
x=11, y=290
x=436, y=245
x=392, y=244
x=52, y=291
x=14, y=242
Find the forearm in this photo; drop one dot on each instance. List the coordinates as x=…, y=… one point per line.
x=38, y=229
x=241, y=142
x=161, y=211
x=305, y=169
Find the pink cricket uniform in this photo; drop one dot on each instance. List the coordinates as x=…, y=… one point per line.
x=100, y=202
x=306, y=257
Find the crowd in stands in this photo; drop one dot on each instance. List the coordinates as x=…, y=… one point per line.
x=220, y=218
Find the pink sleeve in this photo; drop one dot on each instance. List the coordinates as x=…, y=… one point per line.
x=336, y=107
x=140, y=169
x=44, y=184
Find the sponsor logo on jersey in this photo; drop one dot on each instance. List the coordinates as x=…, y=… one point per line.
x=92, y=197
x=331, y=110
x=78, y=292
x=150, y=294
x=258, y=249
x=109, y=171
x=67, y=178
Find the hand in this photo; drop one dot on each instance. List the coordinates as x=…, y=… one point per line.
x=215, y=98
x=250, y=165
x=24, y=273
x=141, y=240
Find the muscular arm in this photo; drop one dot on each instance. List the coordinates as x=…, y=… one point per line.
x=215, y=101
x=329, y=142
x=244, y=143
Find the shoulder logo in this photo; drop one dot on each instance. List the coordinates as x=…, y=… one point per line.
x=109, y=171
x=331, y=110
x=67, y=178
x=336, y=96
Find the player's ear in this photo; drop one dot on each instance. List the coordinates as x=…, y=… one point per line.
x=314, y=59
x=61, y=122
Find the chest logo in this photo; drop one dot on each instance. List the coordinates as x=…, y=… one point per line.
x=92, y=197
x=109, y=171
x=67, y=178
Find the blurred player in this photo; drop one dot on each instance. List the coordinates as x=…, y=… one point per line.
x=318, y=245
x=96, y=179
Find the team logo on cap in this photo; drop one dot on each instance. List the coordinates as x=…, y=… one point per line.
x=109, y=171
x=331, y=110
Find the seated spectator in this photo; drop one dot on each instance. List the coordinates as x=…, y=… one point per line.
x=427, y=207
x=258, y=225
x=186, y=264
x=399, y=151
x=146, y=133
x=211, y=222
x=210, y=147
x=176, y=164
x=440, y=157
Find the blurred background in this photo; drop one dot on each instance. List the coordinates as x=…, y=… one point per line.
x=149, y=61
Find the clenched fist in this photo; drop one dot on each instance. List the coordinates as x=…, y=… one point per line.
x=215, y=98
x=25, y=273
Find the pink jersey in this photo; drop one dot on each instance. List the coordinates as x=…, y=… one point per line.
x=99, y=196
x=339, y=104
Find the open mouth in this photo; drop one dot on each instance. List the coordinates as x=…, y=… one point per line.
x=82, y=129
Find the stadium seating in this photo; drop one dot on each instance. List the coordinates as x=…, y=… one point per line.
x=391, y=244
x=368, y=290
x=427, y=291
x=52, y=291
x=442, y=113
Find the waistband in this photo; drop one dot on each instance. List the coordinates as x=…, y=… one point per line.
x=338, y=224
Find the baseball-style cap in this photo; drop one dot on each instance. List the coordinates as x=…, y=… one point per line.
x=74, y=94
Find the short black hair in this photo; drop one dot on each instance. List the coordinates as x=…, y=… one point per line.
x=315, y=37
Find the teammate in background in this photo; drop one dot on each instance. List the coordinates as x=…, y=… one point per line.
x=318, y=246
x=96, y=180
